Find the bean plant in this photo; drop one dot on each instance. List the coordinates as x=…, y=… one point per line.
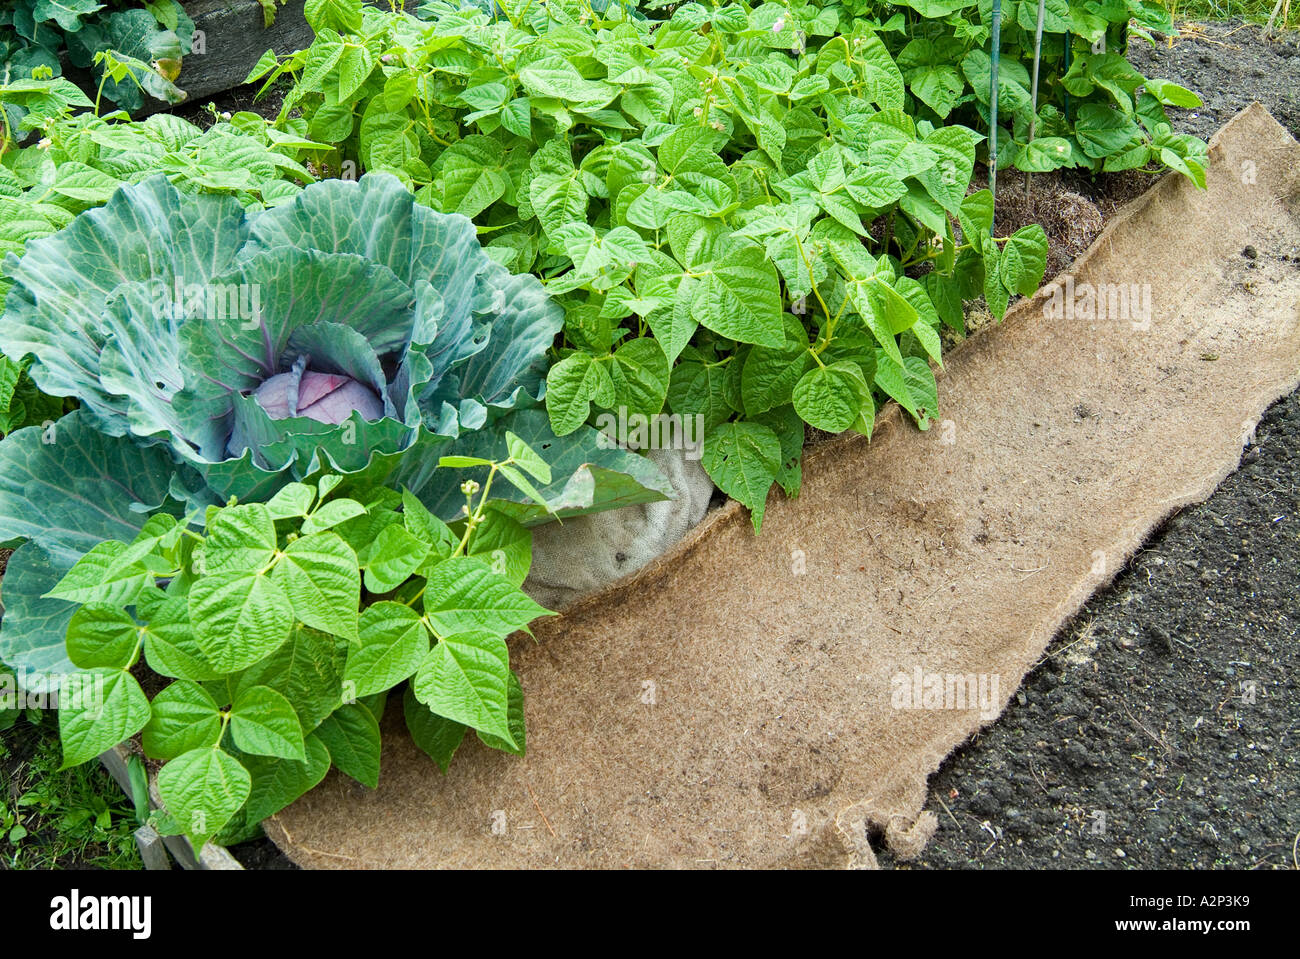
x=741, y=219
x=270, y=642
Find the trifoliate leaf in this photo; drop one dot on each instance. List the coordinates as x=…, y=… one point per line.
x=466, y=678
x=319, y=574
x=240, y=538
x=239, y=618
x=183, y=716
x=101, y=634
x=462, y=595
x=393, y=644
x=744, y=459
x=393, y=557
x=436, y=735
x=831, y=397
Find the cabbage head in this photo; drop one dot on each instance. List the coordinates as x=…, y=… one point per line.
x=220, y=353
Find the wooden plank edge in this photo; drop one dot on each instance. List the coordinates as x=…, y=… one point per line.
x=213, y=856
x=153, y=851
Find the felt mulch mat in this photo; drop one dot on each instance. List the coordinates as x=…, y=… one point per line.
x=775, y=700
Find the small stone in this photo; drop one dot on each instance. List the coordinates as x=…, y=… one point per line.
x=1120, y=853
x=1160, y=638
x=1250, y=253
x=1077, y=755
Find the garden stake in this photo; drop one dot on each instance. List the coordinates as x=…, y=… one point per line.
x=993, y=109
x=1033, y=93
x=1069, y=44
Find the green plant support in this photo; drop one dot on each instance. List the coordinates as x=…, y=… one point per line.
x=1033, y=95
x=1069, y=49
x=995, y=57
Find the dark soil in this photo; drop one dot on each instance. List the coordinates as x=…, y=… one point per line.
x=261, y=854
x=1230, y=65
x=1071, y=206
x=1161, y=728
x=204, y=113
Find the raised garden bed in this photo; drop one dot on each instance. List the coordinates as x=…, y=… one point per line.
x=235, y=39
x=154, y=848
x=702, y=287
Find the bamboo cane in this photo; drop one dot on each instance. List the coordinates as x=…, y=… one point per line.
x=1033, y=92
x=993, y=108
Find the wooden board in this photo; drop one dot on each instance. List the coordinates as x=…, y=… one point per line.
x=212, y=857
x=234, y=39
